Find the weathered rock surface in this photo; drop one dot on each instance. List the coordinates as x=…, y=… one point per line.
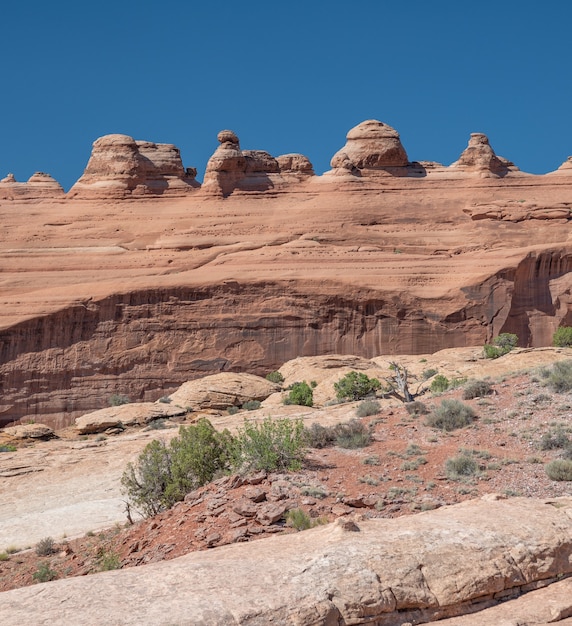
x=438, y=564
x=126, y=415
x=121, y=167
x=220, y=391
x=480, y=157
x=30, y=431
x=39, y=186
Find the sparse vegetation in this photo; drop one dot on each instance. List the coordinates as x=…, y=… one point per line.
x=439, y=384
x=318, y=436
x=367, y=408
x=416, y=408
x=429, y=373
x=165, y=400
x=477, y=389
x=251, y=405
x=559, y=469
x=44, y=573
x=501, y=345
x=450, y=415
x=232, y=410
x=118, y=399
x=301, y=394
x=353, y=434
x=275, y=377
x=461, y=466
x=6, y=447
x=562, y=338
x=45, y=547
x=300, y=520
x=108, y=560
x=4, y=556
x=554, y=439
x=355, y=386
x=559, y=376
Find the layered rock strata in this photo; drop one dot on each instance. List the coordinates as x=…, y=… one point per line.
x=40, y=186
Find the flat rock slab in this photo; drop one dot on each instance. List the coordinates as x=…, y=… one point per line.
x=389, y=572
x=138, y=413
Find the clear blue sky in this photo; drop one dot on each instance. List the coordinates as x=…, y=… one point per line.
x=285, y=76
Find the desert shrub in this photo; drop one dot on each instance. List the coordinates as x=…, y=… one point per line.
x=477, y=389
x=6, y=447
x=428, y=373
x=368, y=407
x=554, y=439
x=45, y=547
x=501, y=345
x=314, y=492
x=416, y=408
x=108, y=560
x=251, y=405
x=355, y=386
x=4, y=556
x=439, y=384
x=318, y=436
x=560, y=376
x=559, y=469
x=118, y=399
x=158, y=424
x=271, y=445
x=165, y=400
x=353, y=434
x=562, y=338
x=460, y=467
x=44, y=573
x=298, y=519
x=450, y=415
x=232, y=410
x=301, y=394
x=163, y=475
x=275, y=377
x=372, y=460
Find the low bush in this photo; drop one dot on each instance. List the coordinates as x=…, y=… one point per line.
x=501, y=345
x=559, y=469
x=108, y=560
x=251, y=405
x=159, y=424
x=416, y=408
x=271, y=445
x=318, y=436
x=301, y=394
x=460, y=466
x=355, y=386
x=367, y=408
x=562, y=338
x=44, y=573
x=450, y=415
x=555, y=439
x=118, y=399
x=429, y=373
x=165, y=400
x=4, y=556
x=353, y=434
x=275, y=377
x=560, y=376
x=45, y=547
x=6, y=447
x=439, y=384
x=477, y=389
x=232, y=410
x=300, y=520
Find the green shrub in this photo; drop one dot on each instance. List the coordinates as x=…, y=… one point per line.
x=416, y=408
x=4, y=556
x=158, y=424
x=450, y=415
x=439, y=384
x=271, y=445
x=428, y=373
x=300, y=520
x=562, y=338
x=300, y=394
x=44, y=573
x=560, y=376
x=559, y=469
x=355, y=386
x=163, y=475
x=352, y=435
x=460, y=467
x=45, y=547
x=501, y=345
x=107, y=561
x=554, y=439
x=232, y=410
x=368, y=407
x=318, y=436
x=6, y=447
x=251, y=405
x=477, y=389
x=165, y=400
x=118, y=399
x=275, y=377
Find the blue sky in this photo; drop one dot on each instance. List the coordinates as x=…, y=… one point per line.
x=285, y=76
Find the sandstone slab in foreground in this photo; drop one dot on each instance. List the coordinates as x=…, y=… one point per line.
x=393, y=571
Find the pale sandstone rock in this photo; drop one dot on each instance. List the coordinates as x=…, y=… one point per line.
x=220, y=391
x=137, y=413
x=39, y=186
x=371, y=145
x=30, y=431
x=390, y=572
x=480, y=157
x=565, y=169
x=9, y=179
x=296, y=165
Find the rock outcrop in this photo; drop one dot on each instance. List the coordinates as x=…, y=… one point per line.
x=565, y=169
x=479, y=157
x=121, y=167
x=371, y=147
x=231, y=168
x=452, y=561
x=40, y=186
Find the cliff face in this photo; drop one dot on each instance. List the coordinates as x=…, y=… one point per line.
x=267, y=262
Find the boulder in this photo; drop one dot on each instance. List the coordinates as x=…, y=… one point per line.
x=427, y=567
x=138, y=413
x=220, y=391
x=30, y=431
x=371, y=145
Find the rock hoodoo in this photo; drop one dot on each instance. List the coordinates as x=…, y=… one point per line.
x=38, y=187
x=479, y=156
x=370, y=146
x=120, y=167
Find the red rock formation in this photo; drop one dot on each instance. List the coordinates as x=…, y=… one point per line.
x=481, y=158
x=40, y=186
